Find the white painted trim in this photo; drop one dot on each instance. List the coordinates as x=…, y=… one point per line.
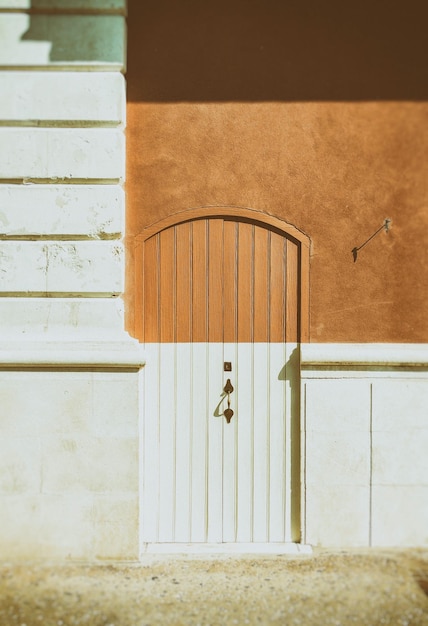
x=313, y=355
x=225, y=548
x=119, y=354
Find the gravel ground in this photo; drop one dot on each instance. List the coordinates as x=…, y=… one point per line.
x=323, y=589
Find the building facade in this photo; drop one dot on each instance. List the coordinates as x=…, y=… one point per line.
x=271, y=232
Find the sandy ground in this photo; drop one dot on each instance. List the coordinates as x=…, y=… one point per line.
x=322, y=589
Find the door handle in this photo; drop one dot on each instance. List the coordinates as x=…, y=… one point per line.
x=228, y=389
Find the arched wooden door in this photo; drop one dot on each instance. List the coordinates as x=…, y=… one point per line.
x=220, y=289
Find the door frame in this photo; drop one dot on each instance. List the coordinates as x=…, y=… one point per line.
x=303, y=242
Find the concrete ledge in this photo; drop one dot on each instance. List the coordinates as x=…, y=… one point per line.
x=344, y=355
x=118, y=354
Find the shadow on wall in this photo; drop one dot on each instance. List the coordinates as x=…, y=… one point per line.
x=264, y=50
x=78, y=38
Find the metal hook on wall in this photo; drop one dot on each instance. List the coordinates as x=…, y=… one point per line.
x=385, y=226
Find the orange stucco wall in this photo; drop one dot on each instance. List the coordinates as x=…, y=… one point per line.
x=317, y=115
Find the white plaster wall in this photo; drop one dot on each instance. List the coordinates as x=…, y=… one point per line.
x=400, y=462
x=69, y=465
x=68, y=371
x=62, y=154
x=364, y=443
x=337, y=461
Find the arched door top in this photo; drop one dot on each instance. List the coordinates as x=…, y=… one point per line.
x=227, y=212
x=196, y=246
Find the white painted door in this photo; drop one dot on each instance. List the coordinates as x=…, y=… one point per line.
x=218, y=291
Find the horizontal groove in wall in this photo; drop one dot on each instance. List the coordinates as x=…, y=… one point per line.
x=65, y=237
x=58, y=294
x=60, y=181
x=106, y=311
x=59, y=124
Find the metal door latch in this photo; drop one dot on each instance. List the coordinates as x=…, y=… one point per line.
x=228, y=388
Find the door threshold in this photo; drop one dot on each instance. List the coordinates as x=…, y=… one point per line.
x=226, y=548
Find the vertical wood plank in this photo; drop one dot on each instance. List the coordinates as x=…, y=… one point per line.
x=229, y=281
x=244, y=416
x=167, y=285
x=199, y=446
x=215, y=443
x=183, y=282
x=261, y=294
x=230, y=449
x=277, y=288
x=215, y=280
x=150, y=445
x=183, y=466
x=261, y=407
x=230, y=239
x=245, y=282
x=151, y=290
x=277, y=471
x=167, y=404
x=200, y=280
x=291, y=295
